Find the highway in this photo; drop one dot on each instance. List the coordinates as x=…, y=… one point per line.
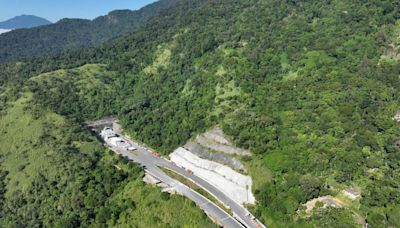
x=213, y=211
x=151, y=163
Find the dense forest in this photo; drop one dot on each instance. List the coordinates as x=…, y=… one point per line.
x=309, y=87
x=55, y=174
x=69, y=34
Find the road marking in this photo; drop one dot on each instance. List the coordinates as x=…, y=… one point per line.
x=228, y=217
x=202, y=205
x=152, y=163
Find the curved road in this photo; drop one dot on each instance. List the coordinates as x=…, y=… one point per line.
x=213, y=211
x=150, y=162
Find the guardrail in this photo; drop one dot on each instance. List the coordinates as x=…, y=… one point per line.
x=237, y=218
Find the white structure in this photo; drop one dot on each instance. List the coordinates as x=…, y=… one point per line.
x=107, y=133
x=397, y=117
x=235, y=185
x=116, y=141
x=113, y=139
x=132, y=148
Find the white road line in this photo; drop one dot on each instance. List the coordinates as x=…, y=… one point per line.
x=144, y=157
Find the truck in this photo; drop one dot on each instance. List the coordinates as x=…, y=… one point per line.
x=131, y=148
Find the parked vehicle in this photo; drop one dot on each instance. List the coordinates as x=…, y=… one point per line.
x=189, y=171
x=155, y=153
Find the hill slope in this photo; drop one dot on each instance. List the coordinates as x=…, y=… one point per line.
x=74, y=33
x=24, y=21
x=55, y=174
x=310, y=88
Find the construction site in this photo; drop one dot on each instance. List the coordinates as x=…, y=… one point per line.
x=210, y=162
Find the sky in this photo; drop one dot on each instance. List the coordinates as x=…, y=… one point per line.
x=55, y=10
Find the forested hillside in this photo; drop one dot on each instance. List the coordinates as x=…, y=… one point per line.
x=55, y=174
x=309, y=87
x=69, y=34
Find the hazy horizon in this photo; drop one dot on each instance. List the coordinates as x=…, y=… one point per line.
x=56, y=10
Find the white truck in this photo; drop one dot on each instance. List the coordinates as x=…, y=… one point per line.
x=131, y=148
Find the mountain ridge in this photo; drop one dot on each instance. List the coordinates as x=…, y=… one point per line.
x=67, y=33
x=24, y=21
x=305, y=86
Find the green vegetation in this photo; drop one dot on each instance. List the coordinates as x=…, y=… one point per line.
x=54, y=174
x=309, y=87
x=22, y=134
x=196, y=188
x=81, y=92
x=71, y=34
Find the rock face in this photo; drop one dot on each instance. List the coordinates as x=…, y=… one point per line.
x=217, y=157
x=210, y=156
x=217, y=135
x=235, y=185
x=327, y=201
x=352, y=193
x=215, y=140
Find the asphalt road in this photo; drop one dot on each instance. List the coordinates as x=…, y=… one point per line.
x=151, y=163
x=216, y=213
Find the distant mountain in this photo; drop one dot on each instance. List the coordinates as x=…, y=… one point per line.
x=69, y=34
x=310, y=88
x=24, y=21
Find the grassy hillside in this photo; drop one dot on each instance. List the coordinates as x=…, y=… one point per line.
x=82, y=92
x=309, y=87
x=54, y=174
x=21, y=154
